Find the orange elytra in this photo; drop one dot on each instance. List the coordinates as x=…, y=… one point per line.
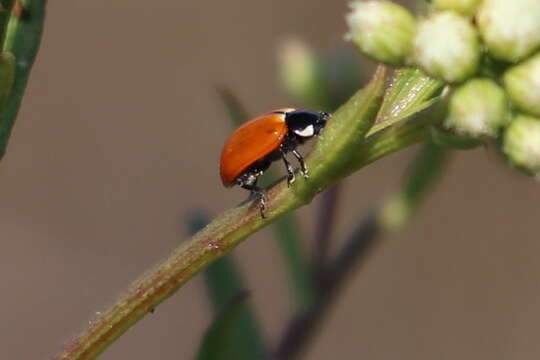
x=251, y=148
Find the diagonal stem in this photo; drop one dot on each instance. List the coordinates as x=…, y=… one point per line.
x=325, y=223
x=302, y=327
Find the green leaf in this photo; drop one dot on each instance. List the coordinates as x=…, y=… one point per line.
x=7, y=76
x=221, y=335
x=242, y=332
x=22, y=39
x=5, y=12
x=236, y=111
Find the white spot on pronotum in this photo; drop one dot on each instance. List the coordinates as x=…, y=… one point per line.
x=308, y=131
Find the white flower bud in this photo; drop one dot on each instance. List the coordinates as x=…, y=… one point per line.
x=446, y=46
x=522, y=82
x=510, y=28
x=382, y=30
x=522, y=143
x=477, y=108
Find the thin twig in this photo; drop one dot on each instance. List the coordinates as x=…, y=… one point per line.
x=328, y=209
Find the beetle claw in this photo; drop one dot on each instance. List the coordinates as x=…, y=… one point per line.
x=290, y=179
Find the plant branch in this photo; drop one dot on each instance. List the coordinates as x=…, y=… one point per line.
x=303, y=326
x=325, y=223
x=340, y=151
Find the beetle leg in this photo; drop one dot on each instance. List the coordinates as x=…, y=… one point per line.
x=300, y=159
x=249, y=182
x=262, y=202
x=261, y=194
x=290, y=171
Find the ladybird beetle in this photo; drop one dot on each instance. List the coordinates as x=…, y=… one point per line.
x=250, y=150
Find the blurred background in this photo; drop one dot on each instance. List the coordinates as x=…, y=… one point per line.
x=119, y=139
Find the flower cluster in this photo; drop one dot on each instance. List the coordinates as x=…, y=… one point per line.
x=487, y=51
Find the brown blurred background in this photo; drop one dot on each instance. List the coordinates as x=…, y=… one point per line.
x=119, y=138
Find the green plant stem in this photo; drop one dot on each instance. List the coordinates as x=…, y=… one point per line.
x=425, y=171
x=22, y=39
x=341, y=151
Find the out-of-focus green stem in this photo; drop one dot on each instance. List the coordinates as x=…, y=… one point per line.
x=287, y=233
x=22, y=39
x=424, y=172
x=328, y=209
x=301, y=328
